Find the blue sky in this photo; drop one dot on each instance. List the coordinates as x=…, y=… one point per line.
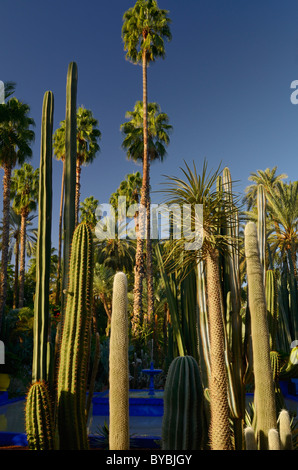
x=225, y=82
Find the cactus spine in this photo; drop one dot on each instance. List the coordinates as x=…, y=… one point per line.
x=70, y=171
x=118, y=362
x=182, y=425
x=43, y=252
x=39, y=418
x=74, y=350
x=264, y=388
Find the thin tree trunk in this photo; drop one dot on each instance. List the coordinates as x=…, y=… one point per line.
x=78, y=187
x=220, y=438
x=16, y=272
x=139, y=264
x=5, y=238
x=60, y=238
x=150, y=289
x=22, y=258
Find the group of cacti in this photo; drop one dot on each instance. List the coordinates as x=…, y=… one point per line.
x=56, y=414
x=56, y=401
x=249, y=349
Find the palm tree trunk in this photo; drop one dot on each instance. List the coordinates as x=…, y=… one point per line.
x=16, y=272
x=60, y=238
x=5, y=238
x=220, y=438
x=22, y=257
x=139, y=264
x=78, y=186
x=150, y=289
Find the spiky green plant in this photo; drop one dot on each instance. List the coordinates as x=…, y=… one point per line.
x=119, y=373
x=39, y=421
x=183, y=421
x=74, y=350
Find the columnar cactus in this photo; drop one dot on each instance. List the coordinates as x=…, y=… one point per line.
x=271, y=300
x=182, y=425
x=118, y=370
x=43, y=252
x=261, y=227
x=70, y=171
x=250, y=440
x=285, y=433
x=39, y=418
x=273, y=440
x=74, y=349
x=264, y=387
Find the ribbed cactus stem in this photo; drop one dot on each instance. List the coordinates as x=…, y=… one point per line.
x=70, y=171
x=39, y=418
x=285, y=433
x=264, y=387
x=273, y=439
x=250, y=440
x=118, y=367
x=74, y=350
x=182, y=425
x=271, y=300
x=43, y=250
x=261, y=228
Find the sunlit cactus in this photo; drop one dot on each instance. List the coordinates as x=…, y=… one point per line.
x=74, y=350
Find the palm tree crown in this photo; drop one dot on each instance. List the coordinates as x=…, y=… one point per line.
x=24, y=189
x=268, y=178
x=158, y=133
x=15, y=133
x=16, y=136
x=144, y=29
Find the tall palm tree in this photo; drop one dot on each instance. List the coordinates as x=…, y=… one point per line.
x=201, y=189
x=16, y=136
x=130, y=188
x=14, y=246
x=145, y=27
x=268, y=178
x=24, y=192
x=158, y=138
x=88, y=136
x=283, y=209
x=88, y=211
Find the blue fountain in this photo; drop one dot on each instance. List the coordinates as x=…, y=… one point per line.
x=152, y=373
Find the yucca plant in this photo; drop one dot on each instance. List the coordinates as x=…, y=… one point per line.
x=201, y=190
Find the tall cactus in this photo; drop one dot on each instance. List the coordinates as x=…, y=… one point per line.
x=272, y=309
x=182, y=425
x=231, y=289
x=39, y=421
x=74, y=349
x=264, y=388
x=43, y=252
x=70, y=171
x=285, y=432
x=261, y=227
x=118, y=370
